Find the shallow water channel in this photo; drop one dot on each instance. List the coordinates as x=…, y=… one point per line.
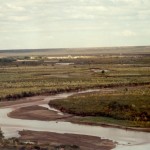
x=127, y=140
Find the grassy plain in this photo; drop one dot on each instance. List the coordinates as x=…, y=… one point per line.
x=26, y=78
x=23, y=76
x=124, y=106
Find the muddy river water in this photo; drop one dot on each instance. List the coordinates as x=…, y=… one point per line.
x=127, y=140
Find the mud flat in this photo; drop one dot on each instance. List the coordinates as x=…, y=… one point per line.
x=37, y=113
x=84, y=142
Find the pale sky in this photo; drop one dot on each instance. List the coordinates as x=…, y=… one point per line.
x=73, y=23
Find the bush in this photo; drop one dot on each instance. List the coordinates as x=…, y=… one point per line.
x=1, y=134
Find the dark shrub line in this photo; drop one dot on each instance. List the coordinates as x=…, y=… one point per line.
x=69, y=89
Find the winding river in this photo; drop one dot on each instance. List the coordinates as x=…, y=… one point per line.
x=127, y=140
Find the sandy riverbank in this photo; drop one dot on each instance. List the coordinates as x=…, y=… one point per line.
x=37, y=113
x=22, y=110
x=83, y=141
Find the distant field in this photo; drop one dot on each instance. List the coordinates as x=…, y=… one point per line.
x=23, y=76
x=78, y=51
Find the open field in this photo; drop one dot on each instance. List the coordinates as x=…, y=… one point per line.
x=26, y=78
x=78, y=51
x=123, y=101
x=20, y=76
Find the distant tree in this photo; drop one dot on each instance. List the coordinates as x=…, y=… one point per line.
x=7, y=60
x=26, y=57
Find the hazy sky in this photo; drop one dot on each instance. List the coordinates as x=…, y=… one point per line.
x=73, y=23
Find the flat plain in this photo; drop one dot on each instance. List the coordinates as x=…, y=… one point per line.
x=123, y=79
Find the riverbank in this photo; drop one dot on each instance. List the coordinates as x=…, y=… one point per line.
x=29, y=108
x=77, y=120
x=127, y=107
x=43, y=114
x=37, y=113
x=34, y=140
x=11, y=126
x=55, y=139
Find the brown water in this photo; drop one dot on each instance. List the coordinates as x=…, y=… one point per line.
x=128, y=140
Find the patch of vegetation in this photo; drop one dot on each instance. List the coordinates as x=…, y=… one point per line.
x=28, y=78
x=1, y=135
x=7, y=60
x=110, y=121
x=131, y=107
x=66, y=147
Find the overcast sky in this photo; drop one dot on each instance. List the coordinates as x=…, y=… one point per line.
x=73, y=23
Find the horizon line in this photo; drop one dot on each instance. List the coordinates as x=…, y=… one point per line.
x=75, y=47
